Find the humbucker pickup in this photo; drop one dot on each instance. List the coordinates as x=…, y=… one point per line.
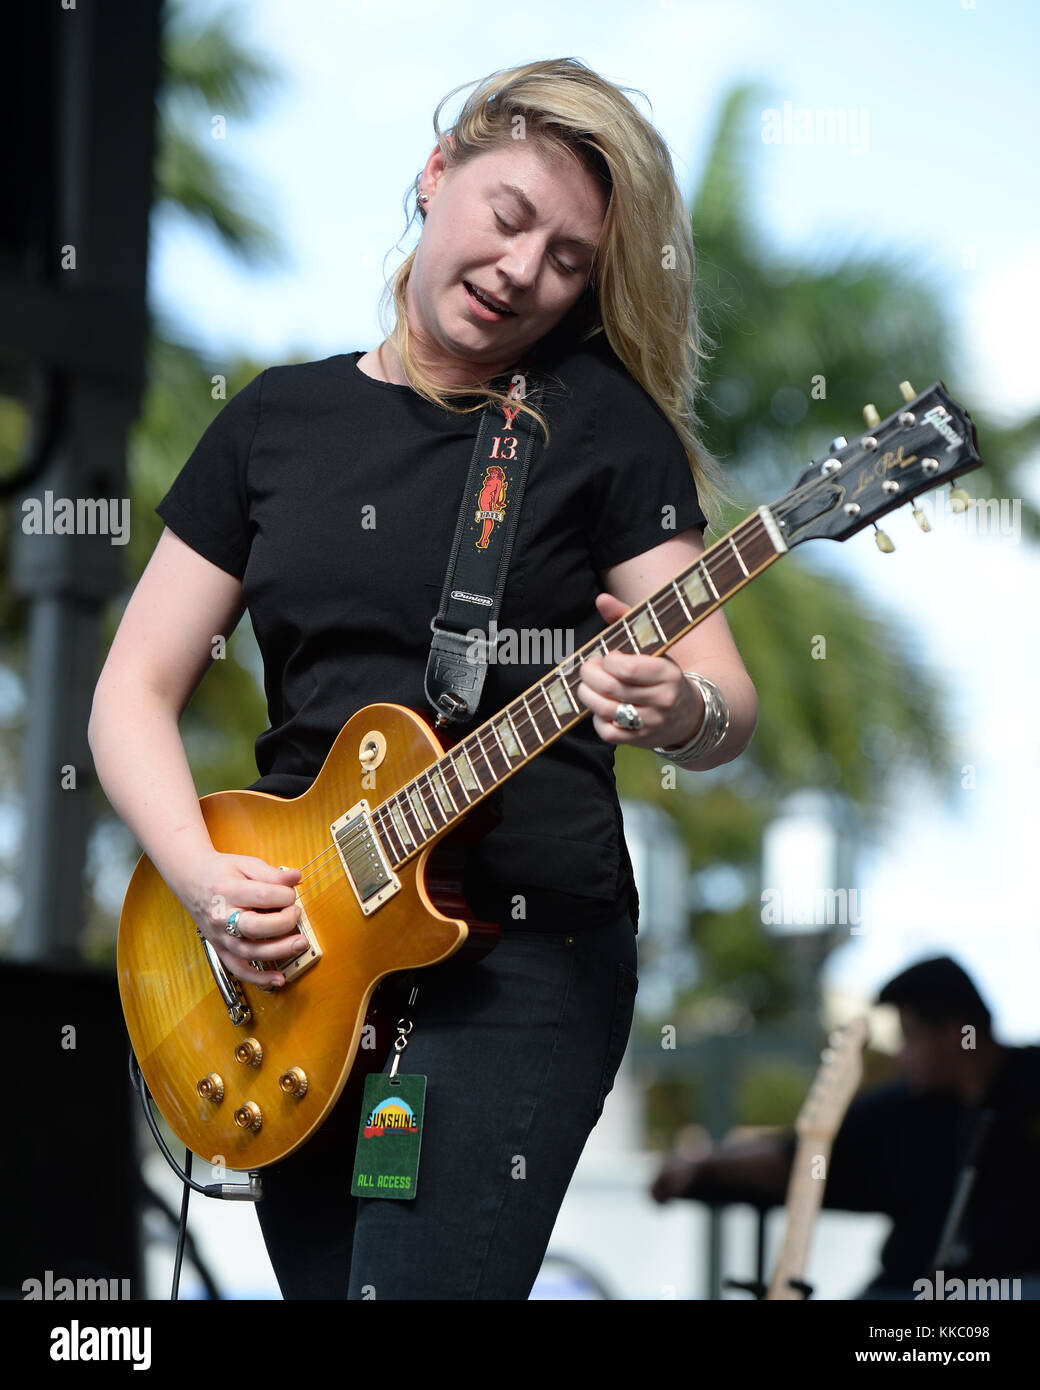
x=368, y=872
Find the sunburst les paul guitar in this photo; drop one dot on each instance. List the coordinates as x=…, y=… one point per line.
x=250, y=1074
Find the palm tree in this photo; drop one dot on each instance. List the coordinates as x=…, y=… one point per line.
x=845, y=724
x=203, y=70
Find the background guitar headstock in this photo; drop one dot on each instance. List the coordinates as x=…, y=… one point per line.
x=840, y=1074
x=931, y=440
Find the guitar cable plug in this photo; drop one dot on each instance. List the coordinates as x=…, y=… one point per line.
x=252, y=1191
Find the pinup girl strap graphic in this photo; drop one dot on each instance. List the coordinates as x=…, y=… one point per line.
x=492, y=500
x=480, y=554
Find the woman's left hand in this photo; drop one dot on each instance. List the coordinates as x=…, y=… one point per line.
x=670, y=706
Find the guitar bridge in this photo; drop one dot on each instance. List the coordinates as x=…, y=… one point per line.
x=361, y=854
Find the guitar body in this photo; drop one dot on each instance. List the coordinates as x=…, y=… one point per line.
x=179, y=1023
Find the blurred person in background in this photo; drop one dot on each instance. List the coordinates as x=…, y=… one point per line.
x=963, y=1102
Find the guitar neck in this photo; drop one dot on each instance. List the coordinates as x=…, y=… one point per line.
x=429, y=805
x=804, y=1197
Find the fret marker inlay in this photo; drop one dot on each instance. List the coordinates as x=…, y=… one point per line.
x=694, y=590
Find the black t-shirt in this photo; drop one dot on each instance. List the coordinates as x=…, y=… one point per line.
x=334, y=498
x=900, y=1152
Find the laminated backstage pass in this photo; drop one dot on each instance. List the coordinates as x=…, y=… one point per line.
x=389, y=1136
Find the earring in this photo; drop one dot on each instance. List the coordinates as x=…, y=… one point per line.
x=424, y=197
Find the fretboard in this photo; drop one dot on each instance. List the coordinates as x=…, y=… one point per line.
x=804, y=1198
x=429, y=805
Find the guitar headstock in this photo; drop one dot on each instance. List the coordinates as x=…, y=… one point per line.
x=931, y=440
x=840, y=1074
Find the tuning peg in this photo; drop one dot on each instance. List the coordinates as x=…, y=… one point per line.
x=840, y=442
x=959, y=499
x=870, y=414
x=883, y=542
x=908, y=391
x=922, y=519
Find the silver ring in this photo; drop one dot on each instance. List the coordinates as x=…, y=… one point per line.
x=229, y=925
x=627, y=717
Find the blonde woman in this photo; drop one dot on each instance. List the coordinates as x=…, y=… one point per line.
x=554, y=235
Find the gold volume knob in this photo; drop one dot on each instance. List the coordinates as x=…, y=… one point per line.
x=248, y=1116
x=250, y=1052
x=294, y=1082
x=211, y=1087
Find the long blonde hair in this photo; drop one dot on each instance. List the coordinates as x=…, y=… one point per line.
x=641, y=290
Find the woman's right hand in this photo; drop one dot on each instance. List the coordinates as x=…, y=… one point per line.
x=215, y=885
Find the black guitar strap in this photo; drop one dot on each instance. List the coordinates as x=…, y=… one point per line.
x=480, y=554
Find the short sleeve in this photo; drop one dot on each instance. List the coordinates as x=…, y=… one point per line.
x=208, y=503
x=640, y=469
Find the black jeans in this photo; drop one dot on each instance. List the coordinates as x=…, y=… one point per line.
x=520, y=1050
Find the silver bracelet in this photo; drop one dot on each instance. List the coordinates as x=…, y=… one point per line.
x=713, y=727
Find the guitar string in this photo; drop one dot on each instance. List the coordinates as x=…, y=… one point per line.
x=325, y=867
x=328, y=858
x=325, y=864
x=666, y=607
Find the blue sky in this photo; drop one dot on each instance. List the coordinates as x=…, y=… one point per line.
x=942, y=172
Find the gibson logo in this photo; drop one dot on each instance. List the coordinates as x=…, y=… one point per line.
x=939, y=419
x=883, y=464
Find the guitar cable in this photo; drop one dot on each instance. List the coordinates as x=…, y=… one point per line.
x=226, y=1191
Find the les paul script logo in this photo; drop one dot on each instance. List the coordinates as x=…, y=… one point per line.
x=883, y=464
